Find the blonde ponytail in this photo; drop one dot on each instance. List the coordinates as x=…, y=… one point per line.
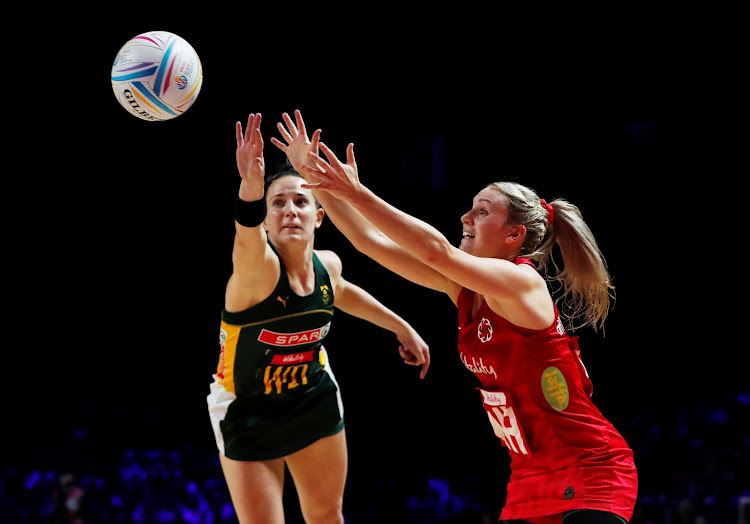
x=583, y=284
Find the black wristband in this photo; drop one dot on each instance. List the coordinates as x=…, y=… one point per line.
x=249, y=214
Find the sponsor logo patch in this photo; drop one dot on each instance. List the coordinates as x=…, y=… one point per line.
x=292, y=358
x=555, y=388
x=293, y=339
x=325, y=295
x=484, y=331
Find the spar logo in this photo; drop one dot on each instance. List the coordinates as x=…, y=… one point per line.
x=293, y=339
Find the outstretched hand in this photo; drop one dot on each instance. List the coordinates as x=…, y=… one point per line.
x=297, y=145
x=250, y=162
x=339, y=179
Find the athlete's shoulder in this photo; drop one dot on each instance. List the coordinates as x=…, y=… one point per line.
x=330, y=261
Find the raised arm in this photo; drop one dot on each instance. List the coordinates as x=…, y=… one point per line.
x=365, y=237
x=510, y=287
x=255, y=267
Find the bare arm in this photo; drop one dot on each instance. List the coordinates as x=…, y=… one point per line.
x=357, y=302
x=255, y=267
x=516, y=292
x=365, y=237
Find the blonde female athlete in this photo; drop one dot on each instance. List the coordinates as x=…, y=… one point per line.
x=274, y=402
x=568, y=463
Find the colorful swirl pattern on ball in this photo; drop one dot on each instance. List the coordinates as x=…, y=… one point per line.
x=149, y=93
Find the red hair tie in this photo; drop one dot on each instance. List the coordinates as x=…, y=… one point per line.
x=550, y=211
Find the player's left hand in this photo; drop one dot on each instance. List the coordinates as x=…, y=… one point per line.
x=414, y=351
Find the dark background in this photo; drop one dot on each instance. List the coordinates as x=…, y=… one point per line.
x=124, y=233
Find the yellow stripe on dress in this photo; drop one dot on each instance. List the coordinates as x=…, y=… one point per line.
x=225, y=368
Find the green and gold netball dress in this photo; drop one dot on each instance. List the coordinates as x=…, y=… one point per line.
x=273, y=391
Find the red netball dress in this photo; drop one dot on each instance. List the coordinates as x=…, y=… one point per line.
x=565, y=454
